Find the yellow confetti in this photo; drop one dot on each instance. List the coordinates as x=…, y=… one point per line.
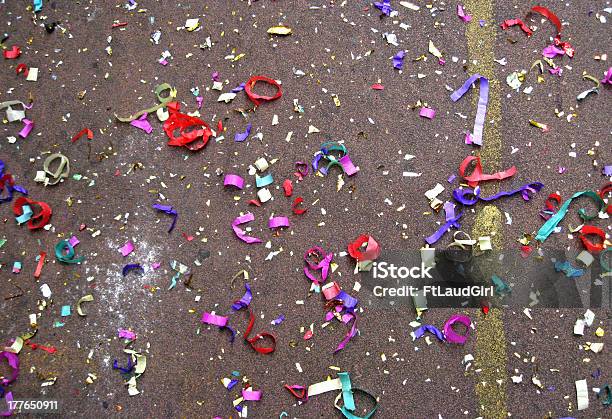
x=280, y=30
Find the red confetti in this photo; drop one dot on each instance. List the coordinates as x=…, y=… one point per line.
x=288, y=187
x=194, y=133
x=13, y=53
x=588, y=244
x=22, y=68
x=83, y=132
x=377, y=86
x=41, y=262
x=294, y=206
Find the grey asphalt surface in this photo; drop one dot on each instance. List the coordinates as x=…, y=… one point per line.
x=339, y=47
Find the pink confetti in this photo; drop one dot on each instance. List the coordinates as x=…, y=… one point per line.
x=127, y=248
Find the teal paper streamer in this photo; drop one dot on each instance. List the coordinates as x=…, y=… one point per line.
x=347, y=392
x=263, y=181
x=27, y=214
x=548, y=227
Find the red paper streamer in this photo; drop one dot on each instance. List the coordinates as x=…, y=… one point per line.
x=588, y=244
x=49, y=349
x=252, y=341
x=81, y=133
x=22, y=68
x=372, y=251
x=294, y=206
x=569, y=50
x=606, y=189
x=512, y=22
x=119, y=24
x=258, y=99
x=13, y=53
x=288, y=187
x=41, y=262
x=477, y=175
x=44, y=214
x=194, y=133
x=303, y=393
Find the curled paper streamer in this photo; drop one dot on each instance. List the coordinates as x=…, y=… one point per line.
x=233, y=180
x=193, y=132
x=27, y=128
x=62, y=171
x=317, y=260
x=163, y=101
x=477, y=175
x=420, y=332
x=258, y=337
x=567, y=268
x=588, y=244
x=13, y=53
x=513, y=22
x=299, y=392
x=132, y=267
x=372, y=248
x=241, y=136
x=548, y=227
x=483, y=99
x=213, y=319
x=462, y=15
x=7, y=182
x=64, y=252
x=398, y=60
x=245, y=300
x=278, y=222
x=551, y=204
x=451, y=335
x=595, y=89
x=296, y=203
x=44, y=214
x=258, y=99
x=569, y=50
x=251, y=395
x=84, y=299
x=301, y=169
x=13, y=115
x=463, y=195
x=452, y=220
x=13, y=363
x=241, y=234
x=608, y=77
x=142, y=123
x=168, y=209
x=84, y=131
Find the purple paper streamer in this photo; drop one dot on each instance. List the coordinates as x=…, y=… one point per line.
x=132, y=267
x=350, y=334
x=241, y=233
x=9, y=398
x=278, y=320
x=13, y=362
x=349, y=302
x=232, y=384
x=142, y=123
x=238, y=88
x=482, y=104
x=462, y=195
x=168, y=209
x=323, y=265
x=245, y=300
x=241, y=136
x=462, y=15
x=277, y=222
x=384, y=7
x=418, y=333
x=233, y=180
x=450, y=222
x=398, y=60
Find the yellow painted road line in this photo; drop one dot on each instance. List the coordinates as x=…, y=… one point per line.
x=490, y=353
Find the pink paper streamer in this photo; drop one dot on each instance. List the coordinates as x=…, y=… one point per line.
x=277, y=222
x=143, y=124
x=9, y=398
x=254, y=395
x=453, y=337
x=74, y=241
x=608, y=77
x=241, y=233
x=27, y=128
x=126, y=334
x=127, y=249
x=213, y=319
x=427, y=113
x=552, y=51
x=233, y=180
x=348, y=166
x=462, y=15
